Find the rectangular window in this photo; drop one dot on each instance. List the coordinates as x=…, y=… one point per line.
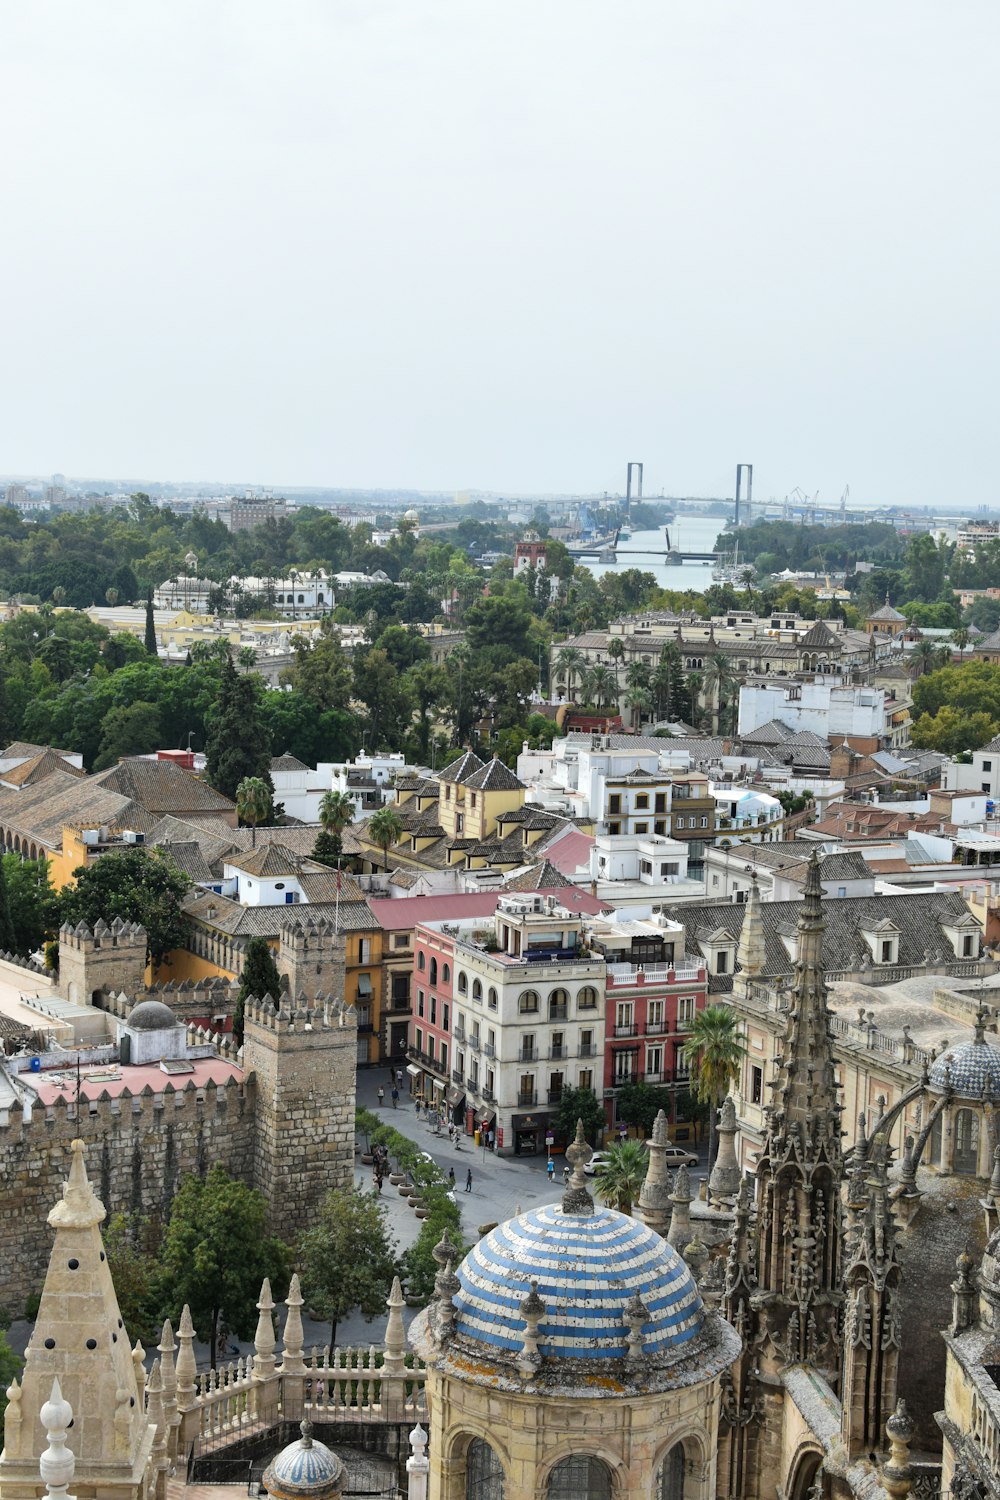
x=642, y=828
x=420, y=1040
x=420, y=1002
x=685, y=1010
x=434, y=1010
x=669, y=867
x=654, y=1060
x=756, y=1085
x=401, y=940
x=444, y=1056
x=654, y=1013
x=722, y=963
x=660, y=827
x=704, y=822
x=615, y=803
x=527, y=1048
x=968, y=951
x=987, y=765
x=887, y=953
x=586, y=1044
x=430, y=1048
x=660, y=805
x=474, y=1073
x=642, y=800
x=364, y=950
x=444, y=1016
x=614, y=828
x=586, y=1078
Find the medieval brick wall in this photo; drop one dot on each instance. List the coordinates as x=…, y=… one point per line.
x=107, y=958
x=138, y=1150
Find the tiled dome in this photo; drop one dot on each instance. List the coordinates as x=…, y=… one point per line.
x=305, y=1470
x=971, y=1070
x=587, y=1267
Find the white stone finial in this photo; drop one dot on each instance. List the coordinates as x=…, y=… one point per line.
x=56, y=1464
x=264, y=1340
x=292, y=1362
x=417, y=1465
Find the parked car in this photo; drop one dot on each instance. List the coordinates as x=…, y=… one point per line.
x=674, y=1156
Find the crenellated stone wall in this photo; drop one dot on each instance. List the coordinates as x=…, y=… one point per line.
x=105, y=958
x=138, y=1147
x=304, y=1063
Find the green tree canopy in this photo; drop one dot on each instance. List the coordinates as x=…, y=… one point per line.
x=258, y=977
x=134, y=729
x=237, y=744
x=215, y=1255
x=138, y=885
x=385, y=828
x=580, y=1104
x=253, y=803
x=32, y=903
x=347, y=1257
x=638, y=1104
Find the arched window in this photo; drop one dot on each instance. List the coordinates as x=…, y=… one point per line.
x=483, y=1472
x=586, y=998
x=434, y=971
x=463, y=983
x=420, y=959
x=477, y=989
x=670, y=1480
x=528, y=1003
x=966, y=1141
x=491, y=999
x=579, y=1478
x=934, y=1156
x=445, y=974
x=558, y=1004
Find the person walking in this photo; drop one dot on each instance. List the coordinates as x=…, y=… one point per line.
x=381, y=1096
x=551, y=1169
x=399, y=1078
x=451, y=1177
x=395, y=1098
x=468, y=1181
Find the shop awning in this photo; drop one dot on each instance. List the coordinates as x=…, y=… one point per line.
x=413, y=1070
x=454, y=1096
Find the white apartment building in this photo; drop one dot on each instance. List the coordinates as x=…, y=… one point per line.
x=528, y=1019
x=367, y=781
x=825, y=706
x=981, y=775
x=743, y=812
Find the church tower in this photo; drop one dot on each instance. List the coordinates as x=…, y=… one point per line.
x=792, y=1314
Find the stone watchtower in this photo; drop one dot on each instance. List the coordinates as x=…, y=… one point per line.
x=304, y=1064
x=107, y=958
x=312, y=958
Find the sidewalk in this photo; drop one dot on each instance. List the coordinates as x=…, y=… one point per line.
x=500, y=1184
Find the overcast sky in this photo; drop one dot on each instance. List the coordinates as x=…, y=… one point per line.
x=503, y=244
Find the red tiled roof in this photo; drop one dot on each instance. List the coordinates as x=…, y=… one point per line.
x=571, y=852
x=406, y=911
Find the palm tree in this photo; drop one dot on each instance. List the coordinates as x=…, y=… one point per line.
x=748, y=578
x=639, y=676
x=111, y=595
x=620, y=1176
x=694, y=682
x=385, y=828
x=719, y=681
x=336, y=812
x=925, y=655
x=639, y=702
x=667, y=678
x=715, y=1050
x=253, y=803
x=247, y=658
x=961, y=638
x=570, y=664
x=616, y=651
x=600, y=685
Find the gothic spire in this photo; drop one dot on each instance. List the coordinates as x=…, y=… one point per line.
x=871, y=1279
x=805, y=1101
x=750, y=955
x=799, y=1170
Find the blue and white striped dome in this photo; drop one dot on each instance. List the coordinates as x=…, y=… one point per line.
x=971, y=1069
x=587, y=1266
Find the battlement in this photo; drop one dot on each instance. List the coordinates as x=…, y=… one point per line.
x=120, y=934
x=298, y=1018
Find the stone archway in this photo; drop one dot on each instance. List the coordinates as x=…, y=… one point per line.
x=805, y=1472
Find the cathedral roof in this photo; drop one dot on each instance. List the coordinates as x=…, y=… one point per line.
x=587, y=1267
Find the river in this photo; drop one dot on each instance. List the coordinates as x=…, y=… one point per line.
x=691, y=533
